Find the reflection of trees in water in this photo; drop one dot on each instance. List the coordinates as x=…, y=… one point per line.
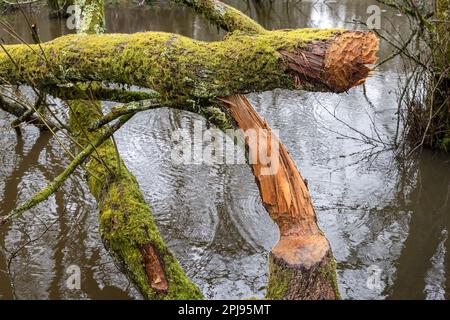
x=11, y=191
x=429, y=205
x=422, y=192
x=405, y=234
x=31, y=231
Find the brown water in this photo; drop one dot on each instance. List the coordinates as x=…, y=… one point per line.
x=380, y=212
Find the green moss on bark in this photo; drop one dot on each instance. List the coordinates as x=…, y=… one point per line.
x=126, y=225
x=224, y=16
x=125, y=220
x=179, y=68
x=279, y=280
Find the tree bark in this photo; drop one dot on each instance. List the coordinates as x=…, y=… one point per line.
x=126, y=222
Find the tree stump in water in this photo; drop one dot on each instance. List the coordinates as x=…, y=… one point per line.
x=301, y=265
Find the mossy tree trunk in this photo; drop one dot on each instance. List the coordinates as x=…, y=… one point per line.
x=126, y=223
x=58, y=8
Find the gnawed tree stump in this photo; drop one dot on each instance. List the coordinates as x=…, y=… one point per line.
x=301, y=265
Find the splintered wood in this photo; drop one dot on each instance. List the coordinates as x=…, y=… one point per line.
x=283, y=191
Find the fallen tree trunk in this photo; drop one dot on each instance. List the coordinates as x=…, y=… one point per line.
x=126, y=222
x=183, y=70
x=20, y=111
x=439, y=89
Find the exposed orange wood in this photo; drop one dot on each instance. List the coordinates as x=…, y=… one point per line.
x=284, y=193
x=154, y=268
x=339, y=64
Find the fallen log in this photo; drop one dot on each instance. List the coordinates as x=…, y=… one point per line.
x=126, y=222
x=183, y=70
